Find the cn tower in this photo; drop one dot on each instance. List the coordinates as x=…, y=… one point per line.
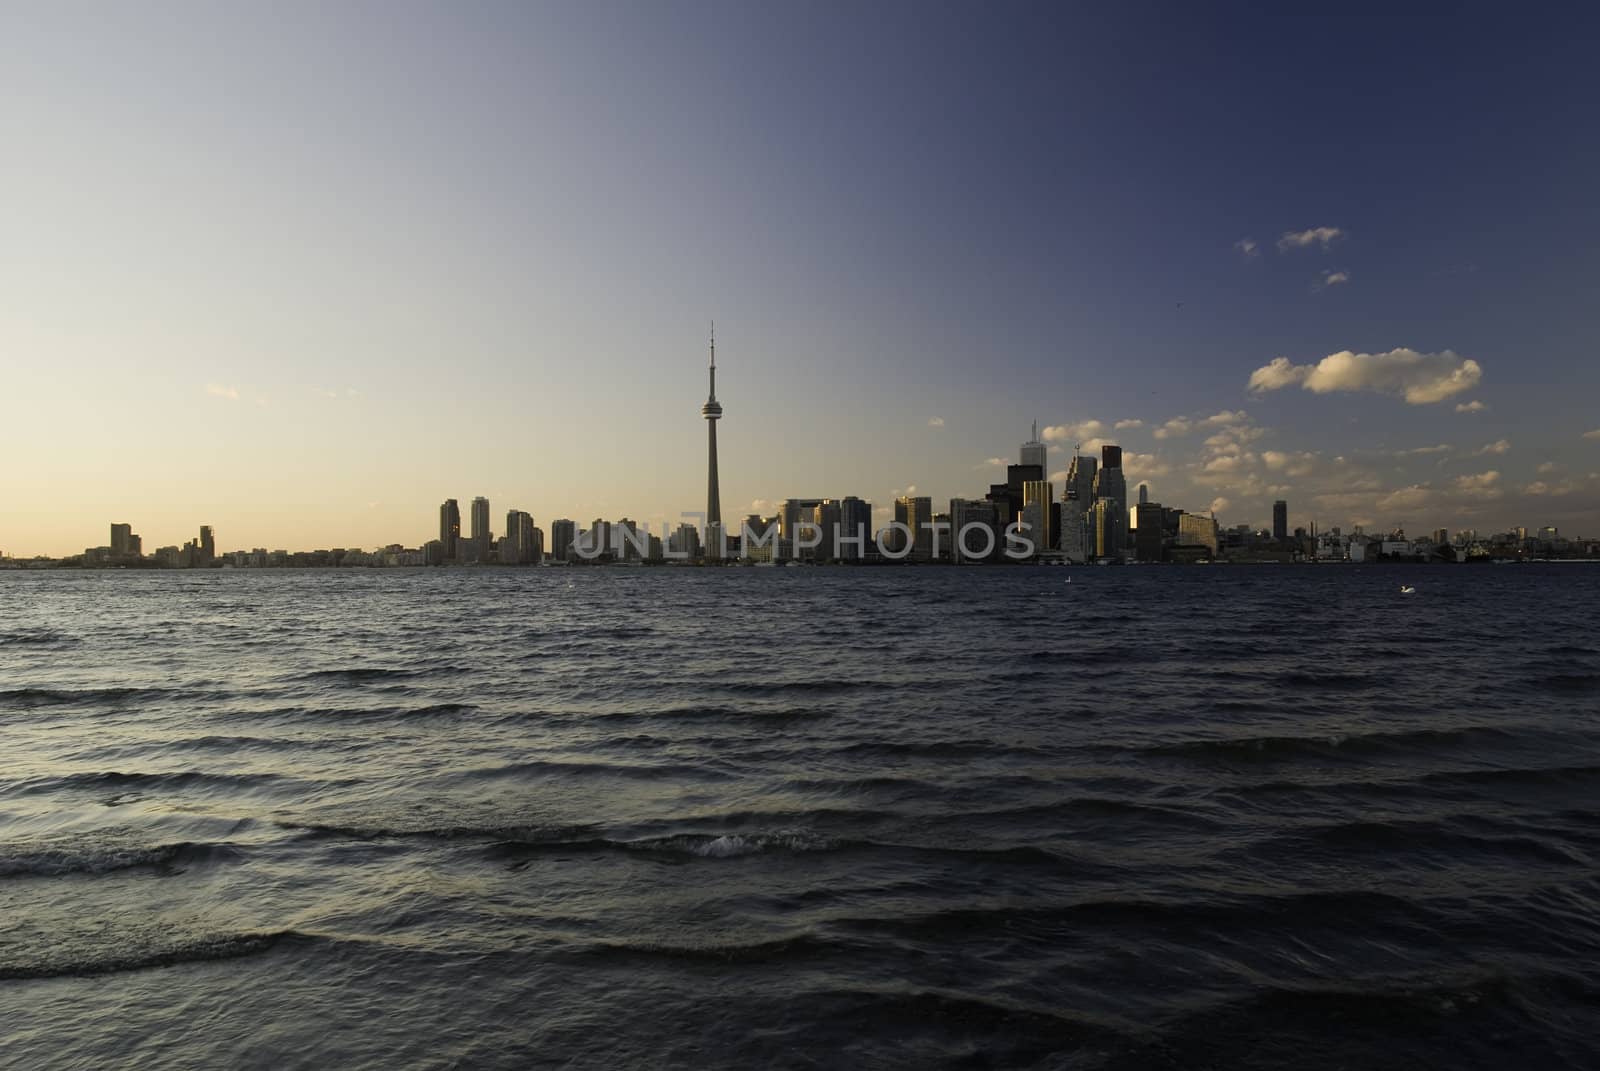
x=712, y=411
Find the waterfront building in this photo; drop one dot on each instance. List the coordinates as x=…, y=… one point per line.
x=1037, y=501
x=449, y=528
x=482, y=536
x=563, y=533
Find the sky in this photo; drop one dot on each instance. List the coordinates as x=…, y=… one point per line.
x=303, y=271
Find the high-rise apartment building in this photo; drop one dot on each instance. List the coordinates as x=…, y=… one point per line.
x=916, y=513
x=562, y=534
x=482, y=535
x=975, y=517
x=855, y=523
x=449, y=528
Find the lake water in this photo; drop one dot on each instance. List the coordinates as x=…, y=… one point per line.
x=1217, y=817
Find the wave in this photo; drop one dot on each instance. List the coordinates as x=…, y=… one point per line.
x=1566, y=683
x=28, y=698
x=365, y=674
x=323, y=714
x=717, y=713
x=56, y=860
x=1288, y=747
x=195, y=950
x=1439, y=837
x=772, y=950
x=1359, y=909
x=114, y=779
x=1542, y=775
x=38, y=637
x=558, y=767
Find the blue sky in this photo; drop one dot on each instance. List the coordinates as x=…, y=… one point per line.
x=302, y=272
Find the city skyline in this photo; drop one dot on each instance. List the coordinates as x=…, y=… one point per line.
x=223, y=307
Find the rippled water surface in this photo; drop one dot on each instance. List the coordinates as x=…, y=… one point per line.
x=1205, y=817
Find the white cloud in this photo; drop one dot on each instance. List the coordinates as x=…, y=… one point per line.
x=997, y=462
x=1500, y=446
x=759, y=505
x=1334, y=278
x=217, y=390
x=1473, y=406
x=1070, y=433
x=936, y=422
x=1442, y=448
x=1555, y=490
x=1323, y=236
x=1125, y=425
x=1295, y=464
x=1232, y=440
x=1220, y=504
x=1481, y=482
x=1420, y=378
x=1060, y=478
x=1595, y=434
x=1180, y=425
x=1226, y=463
x=1247, y=246
x=1413, y=497
x=1144, y=466
x=1547, y=467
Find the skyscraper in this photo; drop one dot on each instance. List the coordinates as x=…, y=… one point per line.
x=1080, y=479
x=914, y=513
x=1033, y=451
x=712, y=411
x=855, y=521
x=977, y=518
x=481, y=535
x=1111, y=487
x=449, y=528
x=1037, y=497
x=1280, y=520
x=1144, y=494
x=208, y=543
x=562, y=533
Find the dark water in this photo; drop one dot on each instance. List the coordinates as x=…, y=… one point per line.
x=1230, y=818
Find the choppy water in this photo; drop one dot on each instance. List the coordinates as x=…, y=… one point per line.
x=1232, y=818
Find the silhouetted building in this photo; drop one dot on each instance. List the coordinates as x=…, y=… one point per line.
x=916, y=513
x=855, y=523
x=562, y=534
x=482, y=536
x=1149, y=528
x=449, y=528
x=977, y=519
x=124, y=544
x=1280, y=520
